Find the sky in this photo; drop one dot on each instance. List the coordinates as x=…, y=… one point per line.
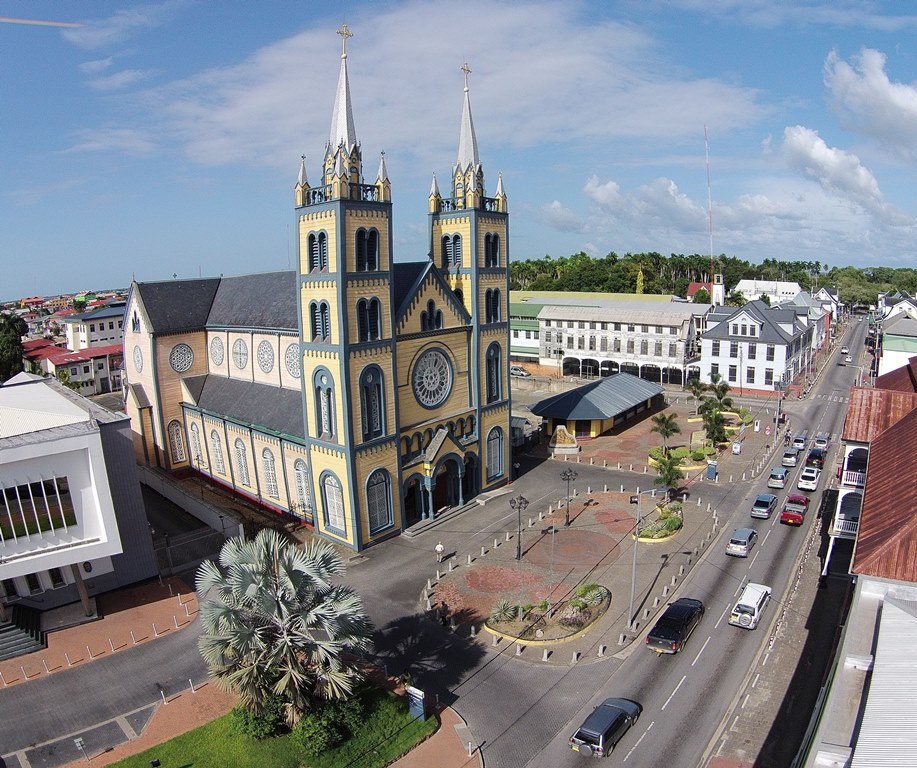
x=164, y=139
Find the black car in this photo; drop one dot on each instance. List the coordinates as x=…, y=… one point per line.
x=605, y=727
x=816, y=458
x=675, y=625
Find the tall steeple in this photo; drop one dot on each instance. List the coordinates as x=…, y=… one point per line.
x=468, y=175
x=343, y=166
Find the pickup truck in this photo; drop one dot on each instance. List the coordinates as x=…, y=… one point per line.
x=675, y=625
x=794, y=509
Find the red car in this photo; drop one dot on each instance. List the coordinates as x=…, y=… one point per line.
x=794, y=509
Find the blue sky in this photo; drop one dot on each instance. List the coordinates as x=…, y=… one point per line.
x=164, y=138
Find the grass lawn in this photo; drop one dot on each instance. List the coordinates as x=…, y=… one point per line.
x=388, y=732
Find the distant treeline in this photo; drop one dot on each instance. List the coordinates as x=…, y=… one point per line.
x=655, y=273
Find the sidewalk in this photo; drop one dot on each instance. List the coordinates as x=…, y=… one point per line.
x=151, y=611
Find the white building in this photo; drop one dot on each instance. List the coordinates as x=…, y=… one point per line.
x=652, y=340
x=755, y=347
x=71, y=513
x=775, y=290
x=99, y=328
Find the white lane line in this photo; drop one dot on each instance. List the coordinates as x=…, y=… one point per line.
x=704, y=646
x=722, y=616
x=734, y=723
x=637, y=744
x=745, y=701
x=672, y=694
x=766, y=657
x=755, y=681
x=752, y=563
x=764, y=540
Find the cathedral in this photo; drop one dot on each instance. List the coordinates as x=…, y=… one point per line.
x=356, y=393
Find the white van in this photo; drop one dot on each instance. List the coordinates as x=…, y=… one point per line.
x=750, y=606
x=801, y=441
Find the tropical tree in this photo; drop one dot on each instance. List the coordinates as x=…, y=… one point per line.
x=714, y=426
x=696, y=388
x=275, y=626
x=665, y=425
x=701, y=296
x=669, y=473
x=12, y=329
x=719, y=392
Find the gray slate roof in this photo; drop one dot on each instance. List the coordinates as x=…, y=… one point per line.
x=602, y=399
x=771, y=333
x=405, y=276
x=275, y=409
x=178, y=305
x=264, y=301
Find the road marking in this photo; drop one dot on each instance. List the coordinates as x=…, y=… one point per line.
x=684, y=677
x=637, y=744
x=703, y=646
x=766, y=657
x=747, y=697
x=755, y=681
x=752, y=563
x=722, y=616
x=764, y=540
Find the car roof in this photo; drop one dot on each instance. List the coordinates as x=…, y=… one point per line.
x=684, y=606
x=768, y=497
x=743, y=533
x=626, y=705
x=778, y=470
x=797, y=498
x=810, y=471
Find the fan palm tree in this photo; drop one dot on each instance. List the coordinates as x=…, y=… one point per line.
x=665, y=425
x=696, y=388
x=274, y=624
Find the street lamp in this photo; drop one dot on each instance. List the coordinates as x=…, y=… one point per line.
x=519, y=503
x=568, y=475
x=635, y=499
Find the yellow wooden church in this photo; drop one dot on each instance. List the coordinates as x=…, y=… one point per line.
x=356, y=393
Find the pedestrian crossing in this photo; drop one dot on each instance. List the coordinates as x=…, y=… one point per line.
x=833, y=398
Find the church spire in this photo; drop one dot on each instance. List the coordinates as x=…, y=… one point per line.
x=468, y=144
x=342, y=130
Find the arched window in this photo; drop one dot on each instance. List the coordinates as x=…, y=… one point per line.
x=303, y=498
x=369, y=319
x=361, y=250
x=446, y=251
x=456, y=250
x=492, y=250
x=318, y=252
x=492, y=373
x=270, y=473
x=379, y=500
x=324, y=404
x=492, y=306
x=315, y=318
x=371, y=407
x=241, y=463
x=362, y=320
x=176, y=444
x=216, y=452
x=644, y=347
x=494, y=453
x=196, y=445
x=367, y=250
x=325, y=321
x=333, y=504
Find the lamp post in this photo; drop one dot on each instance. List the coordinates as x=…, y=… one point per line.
x=635, y=499
x=519, y=503
x=569, y=475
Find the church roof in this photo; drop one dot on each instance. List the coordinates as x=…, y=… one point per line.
x=275, y=409
x=468, y=143
x=342, y=130
x=173, y=306
x=406, y=275
x=263, y=301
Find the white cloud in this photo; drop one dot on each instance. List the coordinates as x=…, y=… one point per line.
x=96, y=65
x=118, y=81
x=867, y=101
x=127, y=140
x=560, y=218
x=121, y=25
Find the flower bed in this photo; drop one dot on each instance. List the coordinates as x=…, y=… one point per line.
x=547, y=623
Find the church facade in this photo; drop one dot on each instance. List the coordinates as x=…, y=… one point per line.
x=356, y=393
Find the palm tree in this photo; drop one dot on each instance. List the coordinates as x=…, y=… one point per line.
x=276, y=625
x=714, y=425
x=666, y=425
x=719, y=389
x=669, y=473
x=697, y=388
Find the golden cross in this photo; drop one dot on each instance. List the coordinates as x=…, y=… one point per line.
x=466, y=69
x=344, y=32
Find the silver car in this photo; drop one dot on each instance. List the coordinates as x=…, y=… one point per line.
x=741, y=542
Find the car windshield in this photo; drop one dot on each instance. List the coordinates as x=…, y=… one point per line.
x=586, y=738
x=738, y=542
x=744, y=609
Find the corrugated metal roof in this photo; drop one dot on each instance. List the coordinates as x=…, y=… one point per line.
x=903, y=379
x=886, y=544
x=631, y=312
x=872, y=411
x=888, y=734
x=602, y=399
x=35, y=405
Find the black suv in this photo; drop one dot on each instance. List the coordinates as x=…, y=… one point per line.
x=605, y=727
x=675, y=625
x=816, y=458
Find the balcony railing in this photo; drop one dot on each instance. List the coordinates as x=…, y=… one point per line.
x=845, y=528
x=853, y=478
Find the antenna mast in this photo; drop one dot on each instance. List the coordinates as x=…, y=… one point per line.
x=709, y=201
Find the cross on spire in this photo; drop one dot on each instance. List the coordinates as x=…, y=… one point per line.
x=344, y=32
x=467, y=70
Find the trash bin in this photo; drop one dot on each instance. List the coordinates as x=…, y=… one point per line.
x=711, y=470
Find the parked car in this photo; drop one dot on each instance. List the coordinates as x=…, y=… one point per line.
x=518, y=370
x=675, y=626
x=605, y=727
x=777, y=478
x=816, y=458
x=764, y=505
x=750, y=606
x=790, y=457
x=794, y=509
x=845, y=351
x=821, y=441
x=808, y=479
x=741, y=542
x=848, y=359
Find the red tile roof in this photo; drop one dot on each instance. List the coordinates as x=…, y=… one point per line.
x=30, y=344
x=887, y=540
x=903, y=379
x=872, y=411
x=65, y=356
x=695, y=287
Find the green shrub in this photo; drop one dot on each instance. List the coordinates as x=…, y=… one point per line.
x=655, y=453
x=595, y=595
x=503, y=611
x=682, y=452
x=318, y=732
x=269, y=722
x=698, y=455
x=673, y=524
x=527, y=609
x=544, y=605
